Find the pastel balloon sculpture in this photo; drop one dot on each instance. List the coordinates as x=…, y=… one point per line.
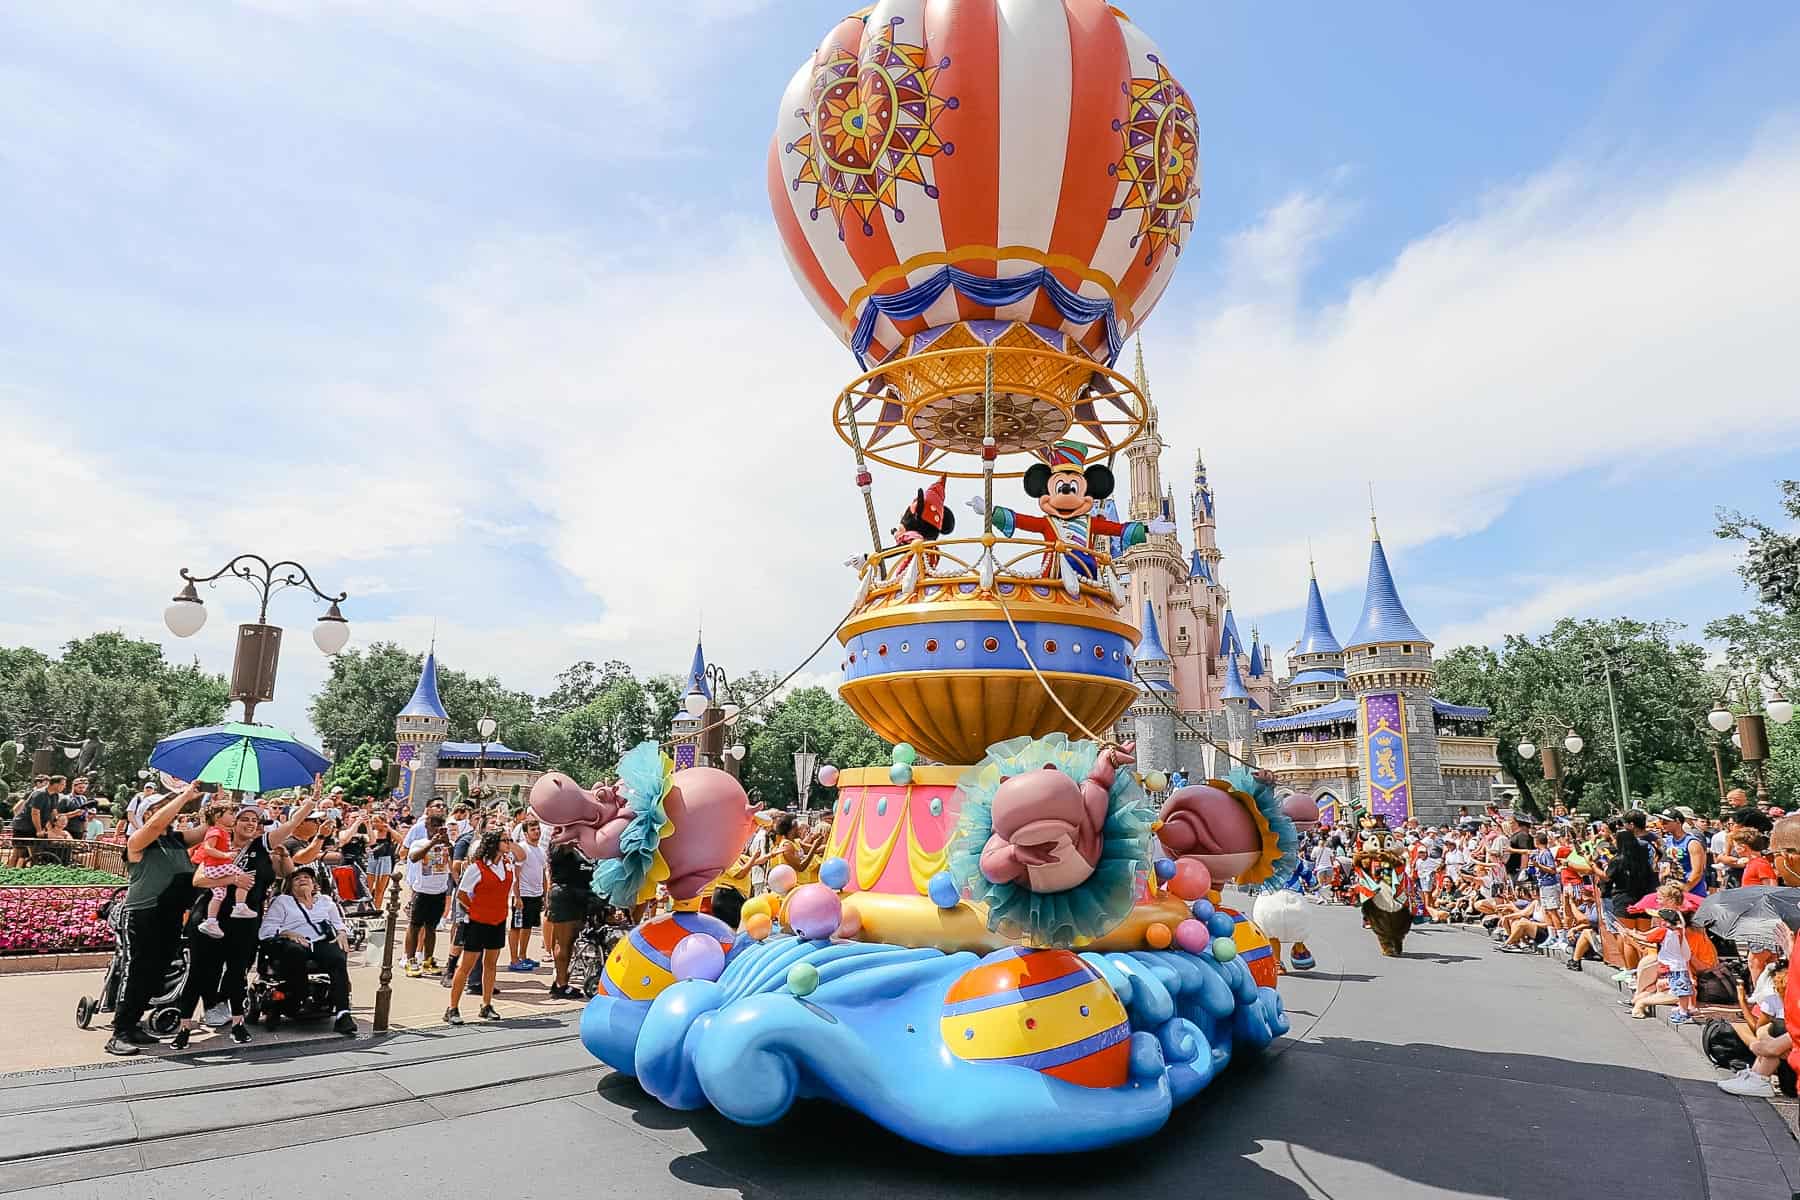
x=707, y=816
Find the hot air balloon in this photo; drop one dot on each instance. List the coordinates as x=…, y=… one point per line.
x=954, y=175
x=984, y=199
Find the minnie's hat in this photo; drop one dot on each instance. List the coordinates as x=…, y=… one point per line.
x=930, y=503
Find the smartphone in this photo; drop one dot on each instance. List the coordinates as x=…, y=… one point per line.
x=206, y=789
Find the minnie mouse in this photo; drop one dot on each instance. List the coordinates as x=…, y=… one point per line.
x=1066, y=492
x=926, y=519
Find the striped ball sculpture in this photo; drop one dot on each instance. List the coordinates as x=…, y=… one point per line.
x=1045, y=1010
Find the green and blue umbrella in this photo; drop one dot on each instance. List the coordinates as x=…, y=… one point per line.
x=242, y=758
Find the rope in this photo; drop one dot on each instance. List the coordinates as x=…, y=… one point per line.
x=668, y=743
x=1019, y=641
x=864, y=483
x=987, y=444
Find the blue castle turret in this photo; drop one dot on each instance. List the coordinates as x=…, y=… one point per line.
x=419, y=731
x=1152, y=714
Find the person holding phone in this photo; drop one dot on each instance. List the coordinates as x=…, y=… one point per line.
x=160, y=886
x=304, y=932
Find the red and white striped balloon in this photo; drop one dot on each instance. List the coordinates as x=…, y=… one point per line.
x=994, y=136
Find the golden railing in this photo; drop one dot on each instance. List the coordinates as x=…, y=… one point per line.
x=988, y=561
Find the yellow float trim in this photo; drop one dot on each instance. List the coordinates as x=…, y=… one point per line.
x=916, y=921
x=868, y=777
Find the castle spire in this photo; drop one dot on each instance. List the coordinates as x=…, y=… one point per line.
x=1150, y=647
x=1234, y=688
x=1256, y=653
x=696, y=677
x=1315, y=635
x=425, y=702
x=1384, y=618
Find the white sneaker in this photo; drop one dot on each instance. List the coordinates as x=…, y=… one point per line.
x=210, y=927
x=1748, y=1083
x=240, y=909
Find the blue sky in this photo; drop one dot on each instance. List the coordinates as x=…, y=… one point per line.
x=479, y=313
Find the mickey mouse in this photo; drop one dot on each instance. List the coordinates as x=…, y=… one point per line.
x=1066, y=492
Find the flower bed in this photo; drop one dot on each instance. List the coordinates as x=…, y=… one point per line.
x=53, y=920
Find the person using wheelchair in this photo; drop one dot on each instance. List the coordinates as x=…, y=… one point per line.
x=303, y=932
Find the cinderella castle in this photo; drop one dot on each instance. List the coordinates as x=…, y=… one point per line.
x=1338, y=707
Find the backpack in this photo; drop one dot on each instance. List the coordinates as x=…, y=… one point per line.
x=1702, y=954
x=1723, y=1046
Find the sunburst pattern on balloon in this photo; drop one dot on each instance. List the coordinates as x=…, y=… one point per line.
x=870, y=128
x=1161, y=160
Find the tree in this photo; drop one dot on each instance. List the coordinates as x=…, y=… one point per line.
x=368, y=688
x=120, y=687
x=1535, y=686
x=824, y=723
x=351, y=771
x=587, y=742
x=1772, y=562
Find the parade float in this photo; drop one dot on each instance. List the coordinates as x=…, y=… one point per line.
x=1011, y=947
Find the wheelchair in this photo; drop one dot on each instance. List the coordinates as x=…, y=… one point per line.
x=266, y=999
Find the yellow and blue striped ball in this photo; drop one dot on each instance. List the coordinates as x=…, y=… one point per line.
x=1253, y=948
x=1045, y=1010
x=639, y=967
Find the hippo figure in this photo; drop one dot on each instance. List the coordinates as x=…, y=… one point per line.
x=1047, y=827
x=1213, y=825
x=1301, y=809
x=710, y=815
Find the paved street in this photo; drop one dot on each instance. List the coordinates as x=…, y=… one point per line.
x=1452, y=1072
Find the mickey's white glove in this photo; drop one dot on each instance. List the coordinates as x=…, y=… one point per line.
x=978, y=506
x=857, y=561
x=1161, y=527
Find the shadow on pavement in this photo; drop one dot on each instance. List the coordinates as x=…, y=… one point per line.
x=1345, y=1116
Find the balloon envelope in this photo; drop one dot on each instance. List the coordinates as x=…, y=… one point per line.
x=937, y=161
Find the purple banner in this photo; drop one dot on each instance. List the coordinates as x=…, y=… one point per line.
x=1384, y=757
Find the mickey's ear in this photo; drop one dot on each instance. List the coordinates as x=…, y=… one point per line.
x=1099, y=481
x=921, y=500
x=949, y=525
x=1037, y=479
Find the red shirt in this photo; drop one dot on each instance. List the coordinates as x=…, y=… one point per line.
x=1758, y=871
x=217, y=838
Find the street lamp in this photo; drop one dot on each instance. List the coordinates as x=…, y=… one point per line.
x=485, y=727
x=715, y=712
x=1553, y=768
x=1752, y=734
x=259, y=643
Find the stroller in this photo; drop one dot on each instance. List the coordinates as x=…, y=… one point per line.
x=161, y=1017
x=606, y=927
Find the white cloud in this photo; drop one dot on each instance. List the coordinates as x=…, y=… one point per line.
x=1583, y=318
x=1598, y=595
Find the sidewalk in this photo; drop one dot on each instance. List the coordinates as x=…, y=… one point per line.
x=40, y=1009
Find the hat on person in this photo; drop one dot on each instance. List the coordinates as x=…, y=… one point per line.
x=336, y=791
x=1687, y=814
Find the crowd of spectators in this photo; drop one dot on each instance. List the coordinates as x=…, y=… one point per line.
x=1621, y=890
x=285, y=880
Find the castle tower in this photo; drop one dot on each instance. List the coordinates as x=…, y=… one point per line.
x=419, y=731
x=1237, y=703
x=685, y=729
x=1155, y=570
x=1152, y=718
x=1145, y=455
x=1260, y=680
x=1206, y=527
x=1387, y=663
x=1316, y=663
